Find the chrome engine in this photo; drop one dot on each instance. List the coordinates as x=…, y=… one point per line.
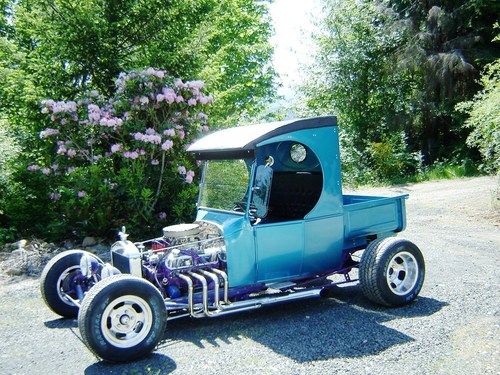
x=184, y=250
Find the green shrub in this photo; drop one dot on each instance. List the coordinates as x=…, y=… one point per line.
x=104, y=162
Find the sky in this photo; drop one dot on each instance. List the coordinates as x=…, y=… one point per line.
x=293, y=23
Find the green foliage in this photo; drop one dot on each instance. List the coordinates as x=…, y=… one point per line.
x=108, y=161
x=392, y=67
x=10, y=151
x=446, y=170
x=484, y=118
x=68, y=47
x=226, y=183
x=63, y=49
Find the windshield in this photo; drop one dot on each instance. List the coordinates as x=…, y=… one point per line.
x=225, y=184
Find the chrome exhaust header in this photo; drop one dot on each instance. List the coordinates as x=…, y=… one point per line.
x=215, y=279
x=204, y=286
x=226, y=285
x=189, y=282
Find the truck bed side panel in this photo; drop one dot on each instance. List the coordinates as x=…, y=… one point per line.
x=366, y=215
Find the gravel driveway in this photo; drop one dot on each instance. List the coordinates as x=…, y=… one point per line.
x=452, y=328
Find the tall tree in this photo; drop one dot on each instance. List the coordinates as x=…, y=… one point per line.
x=393, y=70
x=452, y=42
x=70, y=46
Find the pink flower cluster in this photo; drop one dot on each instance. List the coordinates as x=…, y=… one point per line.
x=167, y=145
x=112, y=122
x=94, y=113
x=150, y=136
x=153, y=72
x=50, y=105
x=189, y=175
x=169, y=132
x=48, y=132
x=116, y=147
x=134, y=154
x=168, y=95
x=131, y=155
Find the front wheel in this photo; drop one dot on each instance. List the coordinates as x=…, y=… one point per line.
x=122, y=318
x=57, y=281
x=391, y=271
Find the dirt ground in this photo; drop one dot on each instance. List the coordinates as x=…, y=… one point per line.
x=452, y=328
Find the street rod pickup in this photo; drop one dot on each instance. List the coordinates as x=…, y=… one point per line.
x=272, y=225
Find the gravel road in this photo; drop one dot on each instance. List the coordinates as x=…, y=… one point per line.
x=452, y=328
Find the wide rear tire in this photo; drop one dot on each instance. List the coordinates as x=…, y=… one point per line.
x=391, y=271
x=122, y=318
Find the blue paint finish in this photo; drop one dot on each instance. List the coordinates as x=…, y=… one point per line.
x=365, y=215
x=323, y=244
x=270, y=251
x=240, y=246
x=280, y=248
x=324, y=143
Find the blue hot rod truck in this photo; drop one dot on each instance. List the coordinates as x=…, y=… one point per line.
x=272, y=225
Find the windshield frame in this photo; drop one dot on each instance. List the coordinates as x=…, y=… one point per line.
x=251, y=165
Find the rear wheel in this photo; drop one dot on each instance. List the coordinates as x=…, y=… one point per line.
x=391, y=271
x=122, y=318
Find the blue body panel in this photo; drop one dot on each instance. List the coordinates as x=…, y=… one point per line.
x=319, y=241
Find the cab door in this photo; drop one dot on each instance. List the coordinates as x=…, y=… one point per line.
x=279, y=246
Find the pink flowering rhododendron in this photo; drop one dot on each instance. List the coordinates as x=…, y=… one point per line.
x=48, y=132
x=181, y=169
x=167, y=145
x=116, y=147
x=128, y=148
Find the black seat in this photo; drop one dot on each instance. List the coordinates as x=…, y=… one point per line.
x=293, y=195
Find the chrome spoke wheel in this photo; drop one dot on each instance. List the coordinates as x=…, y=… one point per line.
x=402, y=273
x=126, y=321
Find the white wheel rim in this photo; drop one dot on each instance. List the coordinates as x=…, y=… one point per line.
x=59, y=286
x=126, y=321
x=402, y=273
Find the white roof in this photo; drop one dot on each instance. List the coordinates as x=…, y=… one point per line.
x=235, y=138
x=242, y=140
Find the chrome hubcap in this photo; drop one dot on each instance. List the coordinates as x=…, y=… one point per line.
x=402, y=273
x=60, y=281
x=126, y=321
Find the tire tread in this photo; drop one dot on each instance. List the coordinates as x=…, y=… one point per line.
x=369, y=265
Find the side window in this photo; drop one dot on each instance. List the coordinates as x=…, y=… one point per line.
x=296, y=185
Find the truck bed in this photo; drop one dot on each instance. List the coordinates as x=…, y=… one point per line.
x=371, y=215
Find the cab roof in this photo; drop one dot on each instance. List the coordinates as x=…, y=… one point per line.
x=241, y=141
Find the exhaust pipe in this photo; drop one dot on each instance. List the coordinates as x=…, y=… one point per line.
x=189, y=282
x=215, y=279
x=269, y=300
x=204, y=286
x=226, y=284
